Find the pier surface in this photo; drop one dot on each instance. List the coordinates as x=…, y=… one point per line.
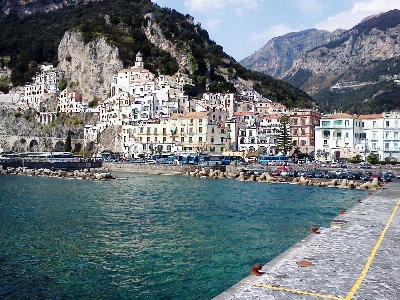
x=358, y=257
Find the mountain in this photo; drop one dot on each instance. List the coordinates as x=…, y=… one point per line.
x=24, y=8
x=352, y=70
x=277, y=56
x=168, y=41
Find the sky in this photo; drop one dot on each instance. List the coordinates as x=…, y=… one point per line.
x=242, y=27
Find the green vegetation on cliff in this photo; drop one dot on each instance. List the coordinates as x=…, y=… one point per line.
x=35, y=39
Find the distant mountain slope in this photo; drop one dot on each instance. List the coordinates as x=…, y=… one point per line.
x=352, y=70
x=355, y=69
x=277, y=56
x=168, y=40
x=24, y=8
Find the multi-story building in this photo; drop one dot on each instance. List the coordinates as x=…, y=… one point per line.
x=70, y=102
x=302, y=129
x=338, y=137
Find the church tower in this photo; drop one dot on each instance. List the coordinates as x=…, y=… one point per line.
x=139, y=61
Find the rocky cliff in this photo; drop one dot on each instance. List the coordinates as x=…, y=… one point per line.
x=28, y=7
x=89, y=67
x=277, y=56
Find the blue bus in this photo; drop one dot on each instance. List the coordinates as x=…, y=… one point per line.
x=266, y=159
x=227, y=160
x=210, y=160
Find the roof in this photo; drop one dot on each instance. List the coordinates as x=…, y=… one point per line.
x=340, y=116
x=190, y=115
x=243, y=113
x=371, y=116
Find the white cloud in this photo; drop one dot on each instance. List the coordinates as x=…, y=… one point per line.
x=273, y=31
x=359, y=11
x=212, y=24
x=207, y=6
x=204, y=5
x=313, y=6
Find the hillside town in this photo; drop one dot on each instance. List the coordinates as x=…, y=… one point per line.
x=154, y=115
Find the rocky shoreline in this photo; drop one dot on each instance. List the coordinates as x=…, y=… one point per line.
x=239, y=174
x=85, y=174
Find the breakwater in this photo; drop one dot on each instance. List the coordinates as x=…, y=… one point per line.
x=84, y=174
x=240, y=174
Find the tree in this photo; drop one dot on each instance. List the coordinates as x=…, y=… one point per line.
x=68, y=145
x=284, y=140
x=372, y=158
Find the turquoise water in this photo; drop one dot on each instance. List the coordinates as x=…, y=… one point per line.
x=148, y=237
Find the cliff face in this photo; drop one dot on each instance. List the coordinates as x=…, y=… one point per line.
x=277, y=56
x=27, y=7
x=90, y=67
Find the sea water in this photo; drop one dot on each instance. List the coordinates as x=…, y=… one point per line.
x=149, y=237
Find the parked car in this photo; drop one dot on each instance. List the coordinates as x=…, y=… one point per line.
x=354, y=176
x=294, y=173
x=366, y=176
x=386, y=177
x=373, y=176
x=398, y=176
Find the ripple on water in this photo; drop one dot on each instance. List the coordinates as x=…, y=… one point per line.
x=148, y=237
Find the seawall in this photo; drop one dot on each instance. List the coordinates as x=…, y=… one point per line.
x=358, y=257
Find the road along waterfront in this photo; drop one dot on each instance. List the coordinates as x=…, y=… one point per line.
x=147, y=236
x=357, y=257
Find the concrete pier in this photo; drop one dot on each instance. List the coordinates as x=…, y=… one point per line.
x=358, y=257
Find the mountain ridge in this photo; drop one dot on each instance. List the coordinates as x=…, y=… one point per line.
x=341, y=67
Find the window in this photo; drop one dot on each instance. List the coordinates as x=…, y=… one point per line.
x=222, y=130
x=140, y=139
x=164, y=139
x=200, y=139
x=222, y=149
x=148, y=130
x=347, y=134
x=148, y=139
x=326, y=123
x=182, y=139
x=212, y=140
x=374, y=135
x=303, y=143
x=325, y=142
x=212, y=130
x=155, y=130
x=395, y=135
x=303, y=132
x=387, y=123
x=346, y=123
x=373, y=146
x=212, y=149
x=190, y=139
x=191, y=121
x=339, y=135
x=200, y=129
x=326, y=134
x=386, y=146
x=200, y=121
x=386, y=134
x=303, y=121
x=396, y=146
x=337, y=123
x=294, y=121
x=141, y=129
x=294, y=131
x=222, y=140
x=155, y=139
x=374, y=124
x=250, y=133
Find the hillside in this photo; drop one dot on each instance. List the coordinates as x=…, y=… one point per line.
x=353, y=70
x=168, y=40
x=277, y=55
